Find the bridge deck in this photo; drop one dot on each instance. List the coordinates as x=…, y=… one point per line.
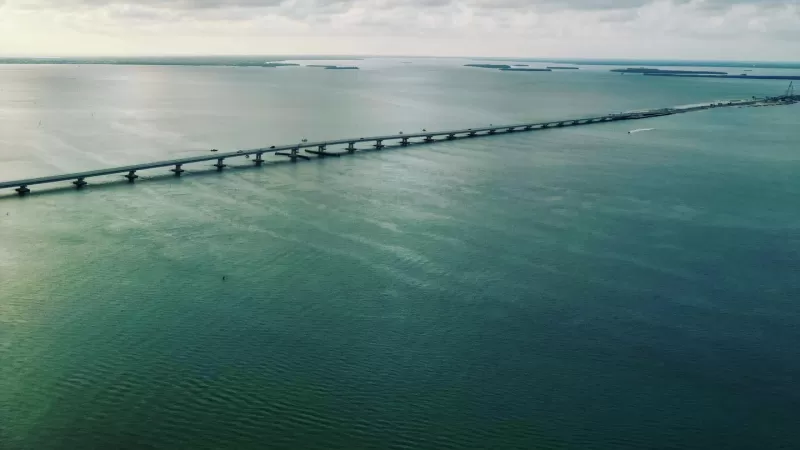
x=467, y=132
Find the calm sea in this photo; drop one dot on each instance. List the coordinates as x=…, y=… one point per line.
x=579, y=288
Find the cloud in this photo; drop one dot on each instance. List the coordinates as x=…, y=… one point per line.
x=517, y=5
x=669, y=28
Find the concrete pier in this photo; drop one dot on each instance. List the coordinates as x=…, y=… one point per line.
x=321, y=152
x=294, y=154
x=292, y=151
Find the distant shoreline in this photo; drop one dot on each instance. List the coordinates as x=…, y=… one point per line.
x=740, y=77
x=260, y=60
x=507, y=68
x=648, y=62
x=699, y=74
x=332, y=67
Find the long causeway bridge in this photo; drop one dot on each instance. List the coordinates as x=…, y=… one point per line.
x=323, y=149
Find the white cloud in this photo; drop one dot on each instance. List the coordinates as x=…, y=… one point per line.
x=723, y=29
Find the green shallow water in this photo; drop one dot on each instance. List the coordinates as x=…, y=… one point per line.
x=577, y=288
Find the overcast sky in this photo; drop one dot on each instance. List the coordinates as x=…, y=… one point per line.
x=690, y=29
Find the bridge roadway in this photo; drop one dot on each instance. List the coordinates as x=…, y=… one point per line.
x=292, y=151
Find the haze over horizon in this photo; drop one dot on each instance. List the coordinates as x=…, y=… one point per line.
x=755, y=30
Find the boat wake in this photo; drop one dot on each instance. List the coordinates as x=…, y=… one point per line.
x=639, y=130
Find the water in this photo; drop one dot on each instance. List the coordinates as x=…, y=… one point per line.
x=575, y=288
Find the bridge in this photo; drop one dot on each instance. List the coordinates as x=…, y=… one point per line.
x=321, y=149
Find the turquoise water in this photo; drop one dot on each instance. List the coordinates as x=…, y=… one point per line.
x=576, y=288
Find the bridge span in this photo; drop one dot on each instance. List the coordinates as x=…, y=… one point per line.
x=321, y=148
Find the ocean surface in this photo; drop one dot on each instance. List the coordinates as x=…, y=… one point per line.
x=578, y=288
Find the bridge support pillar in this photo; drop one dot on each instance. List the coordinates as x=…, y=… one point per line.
x=259, y=160
x=511, y=130
x=428, y=138
x=404, y=141
x=471, y=134
x=351, y=147
x=220, y=164
x=321, y=151
x=80, y=183
x=492, y=131
x=177, y=170
x=22, y=190
x=451, y=136
x=560, y=124
x=131, y=176
x=379, y=144
x=293, y=154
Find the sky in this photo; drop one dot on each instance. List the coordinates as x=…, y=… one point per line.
x=753, y=30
